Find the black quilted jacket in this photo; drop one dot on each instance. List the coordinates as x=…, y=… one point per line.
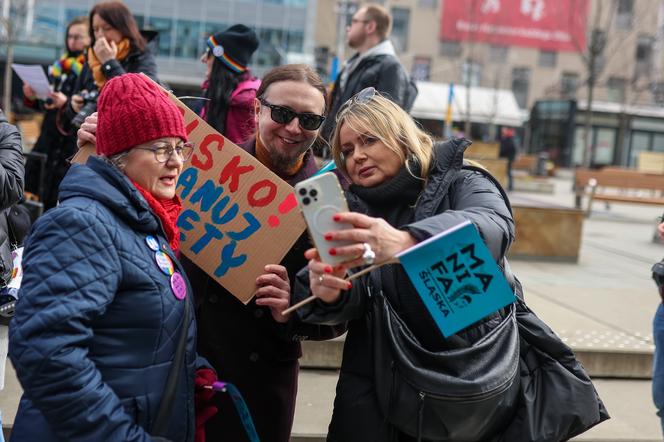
x=11, y=187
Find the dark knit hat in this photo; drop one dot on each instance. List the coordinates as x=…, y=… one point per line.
x=234, y=47
x=134, y=110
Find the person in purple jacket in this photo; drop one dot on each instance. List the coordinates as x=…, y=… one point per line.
x=229, y=85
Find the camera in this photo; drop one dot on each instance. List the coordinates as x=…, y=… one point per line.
x=7, y=306
x=89, y=107
x=306, y=200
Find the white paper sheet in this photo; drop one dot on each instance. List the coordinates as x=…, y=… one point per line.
x=34, y=76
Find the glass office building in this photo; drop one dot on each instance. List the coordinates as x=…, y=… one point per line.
x=284, y=27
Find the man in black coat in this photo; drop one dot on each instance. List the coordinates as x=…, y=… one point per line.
x=375, y=64
x=11, y=188
x=508, y=151
x=11, y=191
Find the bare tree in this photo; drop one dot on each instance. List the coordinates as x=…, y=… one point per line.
x=596, y=55
x=591, y=57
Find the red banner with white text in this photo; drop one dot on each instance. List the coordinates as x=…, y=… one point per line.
x=554, y=25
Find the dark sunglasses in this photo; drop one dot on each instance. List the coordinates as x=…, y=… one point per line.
x=362, y=97
x=284, y=115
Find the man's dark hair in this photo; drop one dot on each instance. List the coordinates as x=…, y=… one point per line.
x=292, y=72
x=381, y=17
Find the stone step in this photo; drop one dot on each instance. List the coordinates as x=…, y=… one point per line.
x=632, y=360
x=633, y=417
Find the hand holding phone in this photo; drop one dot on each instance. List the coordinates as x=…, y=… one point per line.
x=320, y=198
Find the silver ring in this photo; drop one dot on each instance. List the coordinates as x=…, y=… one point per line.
x=369, y=256
x=320, y=279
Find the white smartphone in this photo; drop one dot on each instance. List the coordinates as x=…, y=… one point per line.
x=320, y=198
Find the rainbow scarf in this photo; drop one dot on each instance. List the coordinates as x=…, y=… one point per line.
x=218, y=51
x=68, y=64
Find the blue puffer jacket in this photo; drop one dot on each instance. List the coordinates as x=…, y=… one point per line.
x=97, y=323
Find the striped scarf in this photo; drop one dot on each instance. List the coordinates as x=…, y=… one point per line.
x=67, y=64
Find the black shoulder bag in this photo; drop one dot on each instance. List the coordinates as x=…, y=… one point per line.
x=557, y=399
x=454, y=395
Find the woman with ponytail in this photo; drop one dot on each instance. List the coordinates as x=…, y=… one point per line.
x=229, y=85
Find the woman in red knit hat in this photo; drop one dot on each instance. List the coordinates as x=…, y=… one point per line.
x=103, y=340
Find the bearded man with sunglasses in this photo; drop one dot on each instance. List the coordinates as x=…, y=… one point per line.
x=254, y=346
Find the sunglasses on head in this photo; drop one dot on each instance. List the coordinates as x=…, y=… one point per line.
x=362, y=97
x=284, y=115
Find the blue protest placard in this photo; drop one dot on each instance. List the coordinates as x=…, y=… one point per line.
x=456, y=277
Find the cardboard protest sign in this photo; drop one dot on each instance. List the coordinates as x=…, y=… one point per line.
x=456, y=277
x=237, y=215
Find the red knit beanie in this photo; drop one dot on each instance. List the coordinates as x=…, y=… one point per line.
x=134, y=110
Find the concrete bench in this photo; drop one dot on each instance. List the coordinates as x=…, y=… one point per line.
x=480, y=151
x=546, y=231
x=613, y=184
x=525, y=162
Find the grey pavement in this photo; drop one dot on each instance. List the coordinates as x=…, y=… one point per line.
x=632, y=419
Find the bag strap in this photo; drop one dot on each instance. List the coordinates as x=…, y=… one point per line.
x=162, y=421
x=507, y=270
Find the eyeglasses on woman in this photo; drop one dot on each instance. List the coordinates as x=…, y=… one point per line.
x=162, y=153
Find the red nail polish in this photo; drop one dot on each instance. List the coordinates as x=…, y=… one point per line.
x=336, y=218
x=328, y=269
x=339, y=268
x=350, y=285
x=328, y=236
x=333, y=252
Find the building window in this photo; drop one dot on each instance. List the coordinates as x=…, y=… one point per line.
x=547, y=59
x=165, y=27
x=450, y=48
x=400, y=20
x=471, y=73
x=596, y=46
x=188, y=36
x=421, y=70
x=643, y=56
x=657, y=90
x=624, y=14
x=497, y=54
x=569, y=84
x=520, y=85
x=616, y=89
x=430, y=4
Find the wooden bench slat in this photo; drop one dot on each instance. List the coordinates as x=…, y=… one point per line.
x=627, y=199
x=619, y=185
